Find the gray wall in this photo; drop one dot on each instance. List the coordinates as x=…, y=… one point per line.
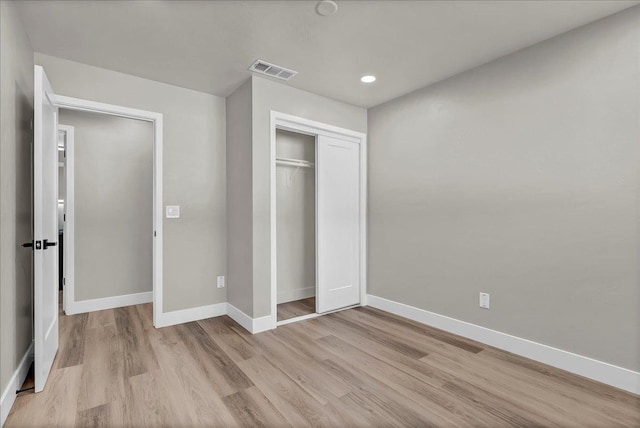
x=16, y=113
x=239, y=224
x=519, y=178
x=295, y=218
x=269, y=95
x=113, y=204
x=194, y=172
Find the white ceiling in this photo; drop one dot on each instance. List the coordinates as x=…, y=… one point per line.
x=208, y=45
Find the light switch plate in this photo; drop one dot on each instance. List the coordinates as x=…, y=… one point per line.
x=484, y=300
x=173, y=211
x=220, y=282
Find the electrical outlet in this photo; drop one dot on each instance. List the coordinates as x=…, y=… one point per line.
x=220, y=282
x=484, y=300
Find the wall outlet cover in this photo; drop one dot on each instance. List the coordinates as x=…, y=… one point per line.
x=172, y=211
x=220, y=282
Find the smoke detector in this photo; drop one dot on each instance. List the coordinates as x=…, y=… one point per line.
x=326, y=7
x=272, y=70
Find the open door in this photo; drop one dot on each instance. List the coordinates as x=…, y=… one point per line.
x=45, y=228
x=338, y=223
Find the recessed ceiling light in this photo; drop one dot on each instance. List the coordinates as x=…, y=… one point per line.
x=368, y=79
x=326, y=7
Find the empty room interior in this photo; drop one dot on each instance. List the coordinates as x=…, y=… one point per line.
x=320, y=213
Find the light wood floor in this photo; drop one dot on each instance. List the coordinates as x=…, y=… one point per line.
x=359, y=367
x=297, y=308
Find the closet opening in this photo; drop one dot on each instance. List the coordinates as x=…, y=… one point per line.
x=318, y=219
x=295, y=224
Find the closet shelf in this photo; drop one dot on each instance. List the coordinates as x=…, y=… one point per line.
x=295, y=162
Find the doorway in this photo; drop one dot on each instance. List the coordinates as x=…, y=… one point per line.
x=65, y=144
x=318, y=218
x=105, y=211
x=45, y=214
x=154, y=231
x=295, y=224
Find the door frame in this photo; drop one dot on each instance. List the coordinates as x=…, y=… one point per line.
x=78, y=104
x=313, y=128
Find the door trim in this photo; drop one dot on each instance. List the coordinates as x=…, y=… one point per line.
x=301, y=125
x=156, y=234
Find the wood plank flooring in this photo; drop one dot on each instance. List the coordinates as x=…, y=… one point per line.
x=296, y=308
x=358, y=367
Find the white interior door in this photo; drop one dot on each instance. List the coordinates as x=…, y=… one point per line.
x=45, y=228
x=338, y=223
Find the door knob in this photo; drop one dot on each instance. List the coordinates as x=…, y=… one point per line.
x=35, y=245
x=46, y=244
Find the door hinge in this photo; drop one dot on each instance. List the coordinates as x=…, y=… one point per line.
x=64, y=281
x=64, y=217
x=154, y=233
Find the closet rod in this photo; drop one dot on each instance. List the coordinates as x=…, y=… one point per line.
x=295, y=162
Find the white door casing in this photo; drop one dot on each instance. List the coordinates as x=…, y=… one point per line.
x=45, y=228
x=338, y=223
x=160, y=318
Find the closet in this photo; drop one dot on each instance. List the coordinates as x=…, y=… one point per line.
x=319, y=223
x=295, y=224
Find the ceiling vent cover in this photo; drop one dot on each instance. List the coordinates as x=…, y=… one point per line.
x=272, y=70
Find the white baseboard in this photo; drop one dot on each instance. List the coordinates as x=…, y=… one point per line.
x=252, y=325
x=82, y=306
x=262, y=324
x=295, y=294
x=192, y=314
x=16, y=381
x=584, y=366
x=240, y=317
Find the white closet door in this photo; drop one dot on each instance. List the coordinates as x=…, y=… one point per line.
x=338, y=223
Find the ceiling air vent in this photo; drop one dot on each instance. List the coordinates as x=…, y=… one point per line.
x=272, y=70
